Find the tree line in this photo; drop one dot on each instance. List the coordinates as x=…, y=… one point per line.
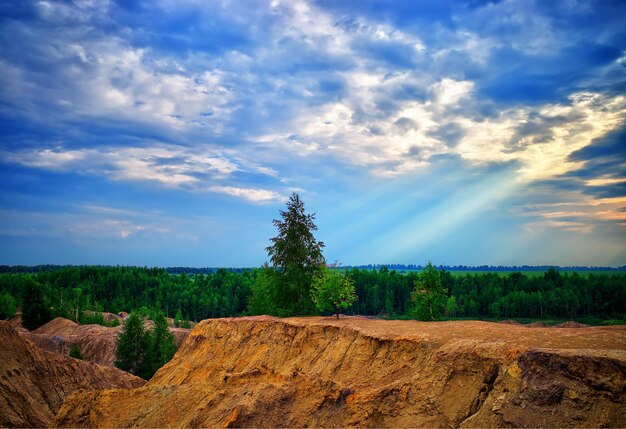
x=378, y=292
x=298, y=282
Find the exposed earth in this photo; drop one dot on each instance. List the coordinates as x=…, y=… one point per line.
x=96, y=342
x=324, y=372
x=34, y=382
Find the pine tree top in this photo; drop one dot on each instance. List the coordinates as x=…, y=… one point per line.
x=295, y=247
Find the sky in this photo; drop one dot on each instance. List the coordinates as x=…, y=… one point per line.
x=171, y=132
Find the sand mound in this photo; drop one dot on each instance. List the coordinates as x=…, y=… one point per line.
x=509, y=322
x=16, y=323
x=571, y=324
x=56, y=326
x=34, y=382
x=96, y=342
x=537, y=325
x=355, y=372
x=108, y=317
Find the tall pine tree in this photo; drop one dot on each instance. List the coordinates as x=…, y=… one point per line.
x=298, y=257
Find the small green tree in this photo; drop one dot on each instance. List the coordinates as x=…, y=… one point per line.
x=186, y=323
x=35, y=309
x=178, y=319
x=7, y=305
x=333, y=291
x=142, y=352
x=75, y=352
x=429, y=296
x=132, y=345
x=163, y=343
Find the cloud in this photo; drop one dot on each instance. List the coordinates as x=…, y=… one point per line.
x=254, y=195
x=393, y=91
x=201, y=100
x=597, y=169
x=565, y=225
x=570, y=209
x=169, y=166
x=79, y=224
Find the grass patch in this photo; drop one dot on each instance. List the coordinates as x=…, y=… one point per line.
x=96, y=319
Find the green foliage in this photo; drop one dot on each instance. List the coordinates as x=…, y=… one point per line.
x=132, y=345
x=94, y=318
x=262, y=300
x=451, y=307
x=380, y=292
x=7, y=305
x=114, y=289
x=178, y=319
x=298, y=257
x=333, y=291
x=163, y=343
x=35, y=308
x=142, y=352
x=75, y=352
x=429, y=297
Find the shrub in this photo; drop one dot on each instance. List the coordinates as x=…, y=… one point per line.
x=7, y=305
x=75, y=352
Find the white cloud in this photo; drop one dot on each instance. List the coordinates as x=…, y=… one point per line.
x=565, y=225
x=250, y=194
x=169, y=166
x=79, y=225
x=384, y=118
x=574, y=212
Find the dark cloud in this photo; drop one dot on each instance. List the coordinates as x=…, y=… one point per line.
x=451, y=134
x=559, y=184
x=611, y=147
x=608, y=191
x=604, y=158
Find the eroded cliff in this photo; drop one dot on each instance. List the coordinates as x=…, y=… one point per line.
x=34, y=382
x=299, y=372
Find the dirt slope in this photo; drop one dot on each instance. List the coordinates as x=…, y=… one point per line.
x=267, y=372
x=34, y=382
x=96, y=342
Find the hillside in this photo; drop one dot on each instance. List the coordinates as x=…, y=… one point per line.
x=34, y=382
x=297, y=372
x=96, y=342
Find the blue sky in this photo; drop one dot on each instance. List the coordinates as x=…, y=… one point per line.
x=170, y=132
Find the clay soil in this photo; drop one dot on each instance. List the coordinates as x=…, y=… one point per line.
x=34, y=383
x=96, y=342
x=359, y=372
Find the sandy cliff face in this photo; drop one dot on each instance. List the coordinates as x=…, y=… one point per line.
x=96, y=342
x=266, y=372
x=34, y=382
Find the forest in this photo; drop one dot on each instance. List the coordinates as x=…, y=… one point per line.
x=380, y=292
